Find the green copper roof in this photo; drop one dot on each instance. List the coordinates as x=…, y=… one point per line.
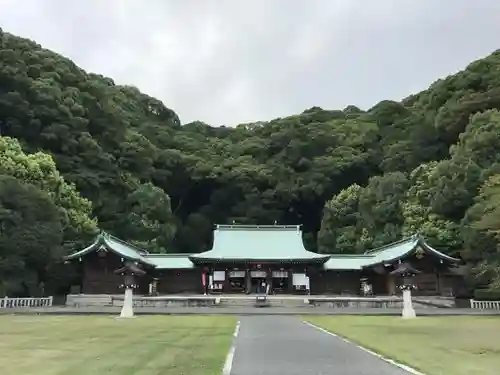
x=131, y=252
x=404, y=247
x=346, y=262
x=266, y=243
x=109, y=243
x=385, y=254
x=170, y=261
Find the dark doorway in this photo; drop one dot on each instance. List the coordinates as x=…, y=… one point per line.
x=257, y=285
x=237, y=284
x=280, y=285
x=237, y=281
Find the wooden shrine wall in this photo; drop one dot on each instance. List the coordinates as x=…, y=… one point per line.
x=335, y=282
x=180, y=281
x=98, y=274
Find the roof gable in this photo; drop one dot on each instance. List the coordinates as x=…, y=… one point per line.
x=266, y=243
x=405, y=247
x=385, y=254
x=109, y=243
x=130, y=252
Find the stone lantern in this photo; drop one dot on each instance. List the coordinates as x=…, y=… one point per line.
x=129, y=271
x=407, y=272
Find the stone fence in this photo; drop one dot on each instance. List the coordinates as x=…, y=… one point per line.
x=485, y=305
x=15, y=303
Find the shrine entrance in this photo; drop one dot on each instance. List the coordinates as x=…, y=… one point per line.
x=237, y=281
x=258, y=281
x=280, y=282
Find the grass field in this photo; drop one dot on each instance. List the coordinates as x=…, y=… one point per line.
x=77, y=345
x=433, y=345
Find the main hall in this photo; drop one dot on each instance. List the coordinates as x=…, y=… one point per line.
x=247, y=259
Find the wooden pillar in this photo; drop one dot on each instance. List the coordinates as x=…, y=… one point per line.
x=269, y=279
x=290, y=281
x=439, y=288
x=248, y=282
x=308, y=278
x=391, y=285
x=226, y=286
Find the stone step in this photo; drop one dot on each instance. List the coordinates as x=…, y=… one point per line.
x=271, y=301
x=245, y=301
x=75, y=300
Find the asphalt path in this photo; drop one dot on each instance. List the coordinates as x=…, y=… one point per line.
x=284, y=345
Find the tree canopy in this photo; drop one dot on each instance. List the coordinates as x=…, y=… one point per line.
x=109, y=156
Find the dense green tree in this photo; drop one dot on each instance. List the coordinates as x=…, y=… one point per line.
x=355, y=179
x=147, y=220
x=483, y=252
x=480, y=141
x=446, y=188
x=31, y=235
x=380, y=208
x=339, y=227
x=39, y=169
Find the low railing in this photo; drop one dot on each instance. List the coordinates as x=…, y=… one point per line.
x=485, y=305
x=15, y=303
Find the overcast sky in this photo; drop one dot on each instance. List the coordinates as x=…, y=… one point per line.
x=231, y=61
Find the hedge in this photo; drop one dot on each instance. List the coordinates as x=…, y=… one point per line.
x=487, y=295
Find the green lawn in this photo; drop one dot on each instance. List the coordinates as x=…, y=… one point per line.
x=64, y=345
x=433, y=345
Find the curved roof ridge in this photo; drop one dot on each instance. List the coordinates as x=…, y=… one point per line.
x=363, y=255
x=403, y=248
x=85, y=250
x=277, y=227
x=436, y=251
x=125, y=243
x=167, y=255
x=413, y=237
x=120, y=247
x=259, y=243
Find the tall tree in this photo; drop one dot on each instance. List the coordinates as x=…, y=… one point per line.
x=39, y=169
x=484, y=218
x=148, y=221
x=30, y=237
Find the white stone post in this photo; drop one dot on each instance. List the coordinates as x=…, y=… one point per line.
x=408, y=310
x=128, y=304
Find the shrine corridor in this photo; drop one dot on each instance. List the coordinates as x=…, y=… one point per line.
x=284, y=345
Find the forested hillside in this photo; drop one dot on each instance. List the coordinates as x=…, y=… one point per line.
x=79, y=153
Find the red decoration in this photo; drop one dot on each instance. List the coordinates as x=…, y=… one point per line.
x=204, y=279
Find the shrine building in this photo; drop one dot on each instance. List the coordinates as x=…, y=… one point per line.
x=245, y=257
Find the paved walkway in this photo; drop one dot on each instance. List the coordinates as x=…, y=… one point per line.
x=272, y=345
